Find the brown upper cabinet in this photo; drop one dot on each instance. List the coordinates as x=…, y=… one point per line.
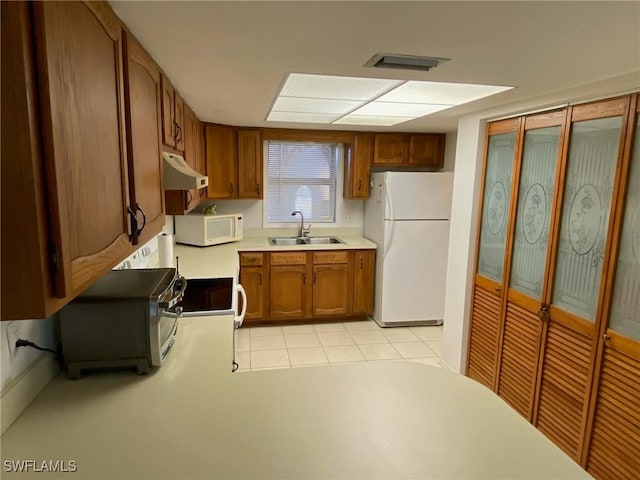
x=180, y=202
x=234, y=162
x=249, y=163
x=64, y=156
x=427, y=149
x=144, y=151
x=172, y=116
x=221, y=158
x=358, y=157
x=404, y=149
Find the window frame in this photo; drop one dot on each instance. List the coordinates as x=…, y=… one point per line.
x=296, y=220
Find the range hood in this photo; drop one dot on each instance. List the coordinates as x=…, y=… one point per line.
x=177, y=175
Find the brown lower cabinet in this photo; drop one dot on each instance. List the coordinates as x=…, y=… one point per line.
x=307, y=285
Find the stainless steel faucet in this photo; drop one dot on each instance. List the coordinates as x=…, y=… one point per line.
x=302, y=232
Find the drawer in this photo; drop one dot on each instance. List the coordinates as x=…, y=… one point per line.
x=288, y=258
x=341, y=256
x=253, y=258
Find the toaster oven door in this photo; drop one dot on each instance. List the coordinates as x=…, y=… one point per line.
x=162, y=335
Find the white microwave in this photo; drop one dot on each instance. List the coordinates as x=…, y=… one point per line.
x=205, y=230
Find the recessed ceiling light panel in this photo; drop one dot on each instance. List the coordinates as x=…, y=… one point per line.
x=389, y=109
x=338, y=88
x=301, y=117
x=376, y=120
x=440, y=92
x=314, y=105
x=308, y=98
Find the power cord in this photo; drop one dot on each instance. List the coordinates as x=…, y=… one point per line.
x=26, y=343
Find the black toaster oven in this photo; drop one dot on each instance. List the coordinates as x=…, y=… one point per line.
x=127, y=319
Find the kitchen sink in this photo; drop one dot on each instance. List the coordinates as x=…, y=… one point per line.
x=304, y=240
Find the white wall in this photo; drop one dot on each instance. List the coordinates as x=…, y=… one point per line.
x=15, y=361
x=450, y=152
x=352, y=212
x=464, y=214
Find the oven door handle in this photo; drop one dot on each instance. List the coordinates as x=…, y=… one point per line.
x=176, y=297
x=238, y=319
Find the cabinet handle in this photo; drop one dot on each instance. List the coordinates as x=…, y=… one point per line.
x=314, y=278
x=498, y=289
x=144, y=219
x=304, y=278
x=361, y=263
x=606, y=337
x=543, y=313
x=134, y=224
x=258, y=188
x=178, y=134
x=231, y=188
x=359, y=184
x=261, y=278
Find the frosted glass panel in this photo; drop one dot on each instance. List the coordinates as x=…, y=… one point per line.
x=625, y=307
x=585, y=215
x=495, y=210
x=535, y=197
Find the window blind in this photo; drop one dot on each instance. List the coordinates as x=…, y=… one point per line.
x=301, y=176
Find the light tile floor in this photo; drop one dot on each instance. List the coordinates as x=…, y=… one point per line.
x=261, y=348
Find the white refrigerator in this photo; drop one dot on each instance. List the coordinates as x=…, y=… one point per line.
x=407, y=216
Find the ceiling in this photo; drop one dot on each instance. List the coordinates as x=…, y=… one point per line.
x=228, y=59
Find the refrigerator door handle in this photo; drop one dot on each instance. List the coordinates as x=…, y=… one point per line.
x=388, y=238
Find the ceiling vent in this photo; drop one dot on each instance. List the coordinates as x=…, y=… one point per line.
x=404, y=62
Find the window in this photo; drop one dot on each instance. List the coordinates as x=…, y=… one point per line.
x=301, y=176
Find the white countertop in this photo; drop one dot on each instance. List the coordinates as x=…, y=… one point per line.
x=193, y=418
x=222, y=260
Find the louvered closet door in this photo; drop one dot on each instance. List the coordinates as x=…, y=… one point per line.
x=579, y=253
x=614, y=447
x=487, y=299
x=529, y=259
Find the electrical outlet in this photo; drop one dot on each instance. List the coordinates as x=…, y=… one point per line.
x=12, y=337
x=348, y=219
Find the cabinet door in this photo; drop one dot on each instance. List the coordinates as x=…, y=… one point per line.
x=614, y=440
x=486, y=316
x=178, y=118
x=168, y=113
x=288, y=298
x=527, y=293
x=254, y=282
x=391, y=149
x=581, y=245
x=193, y=138
x=330, y=289
x=144, y=154
x=249, y=164
x=427, y=150
x=79, y=58
x=221, y=147
x=363, y=280
x=357, y=166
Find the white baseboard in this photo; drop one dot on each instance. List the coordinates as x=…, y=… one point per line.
x=26, y=388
